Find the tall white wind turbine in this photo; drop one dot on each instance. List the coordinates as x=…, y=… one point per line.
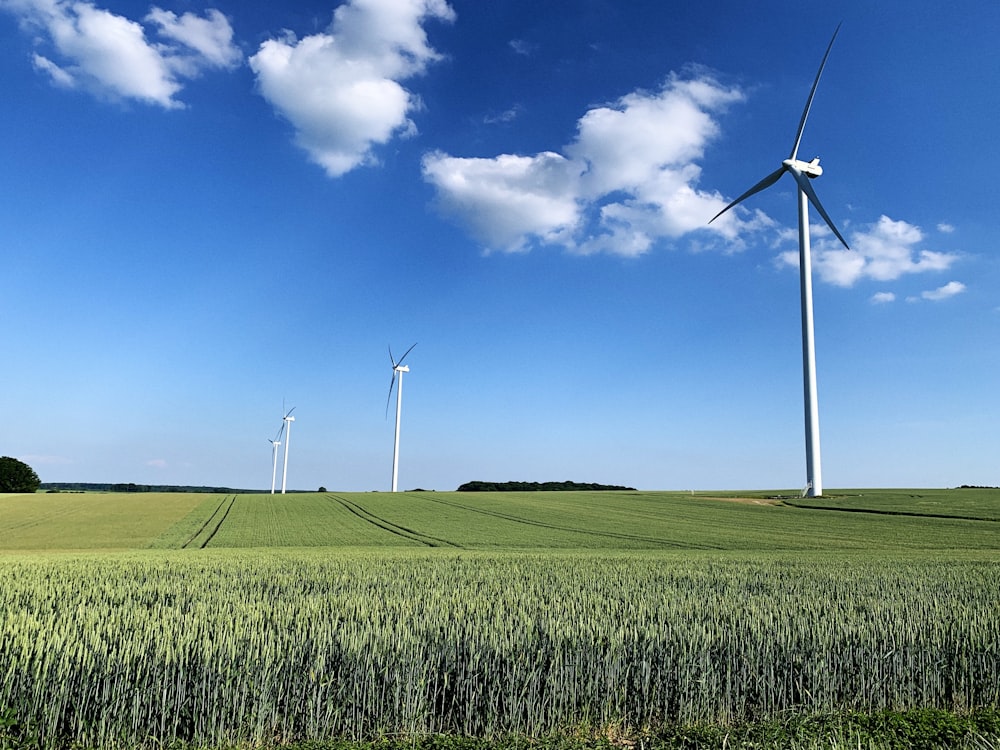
x=398, y=368
x=802, y=172
x=275, y=444
x=287, y=427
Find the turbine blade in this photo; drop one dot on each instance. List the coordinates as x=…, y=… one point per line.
x=281, y=429
x=404, y=354
x=289, y=413
x=389, y=397
x=392, y=359
x=812, y=93
x=762, y=185
x=807, y=188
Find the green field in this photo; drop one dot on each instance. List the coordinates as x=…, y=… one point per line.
x=847, y=520
x=147, y=620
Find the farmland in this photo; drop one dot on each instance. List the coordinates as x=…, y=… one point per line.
x=246, y=620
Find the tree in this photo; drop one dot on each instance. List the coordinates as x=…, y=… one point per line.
x=17, y=476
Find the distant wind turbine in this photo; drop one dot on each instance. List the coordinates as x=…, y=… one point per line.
x=802, y=172
x=275, y=444
x=287, y=427
x=398, y=368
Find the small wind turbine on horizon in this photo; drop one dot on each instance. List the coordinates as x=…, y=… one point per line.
x=398, y=368
x=275, y=444
x=287, y=427
x=802, y=172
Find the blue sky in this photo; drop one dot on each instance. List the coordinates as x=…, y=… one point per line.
x=211, y=209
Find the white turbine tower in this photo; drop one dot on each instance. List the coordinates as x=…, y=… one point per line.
x=275, y=444
x=398, y=368
x=287, y=427
x=802, y=172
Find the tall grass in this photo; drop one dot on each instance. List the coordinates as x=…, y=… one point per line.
x=253, y=647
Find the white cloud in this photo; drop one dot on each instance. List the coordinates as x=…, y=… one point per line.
x=157, y=463
x=507, y=116
x=945, y=228
x=110, y=55
x=506, y=200
x=881, y=298
x=944, y=292
x=522, y=47
x=627, y=180
x=883, y=251
x=210, y=37
x=341, y=89
x=59, y=76
x=46, y=460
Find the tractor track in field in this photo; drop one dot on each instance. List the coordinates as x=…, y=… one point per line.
x=366, y=515
x=887, y=512
x=222, y=520
x=572, y=529
x=209, y=521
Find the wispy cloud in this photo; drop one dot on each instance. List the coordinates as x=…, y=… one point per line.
x=157, y=463
x=945, y=228
x=627, y=180
x=341, y=90
x=33, y=460
x=947, y=291
x=110, y=55
x=883, y=251
x=522, y=47
x=881, y=298
x=210, y=37
x=504, y=117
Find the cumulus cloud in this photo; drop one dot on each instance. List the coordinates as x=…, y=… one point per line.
x=341, y=90
x=944, y=292
x=628, y=179
x=881, y=298
x=111, y=55
x=945, y=228
x=883, y=251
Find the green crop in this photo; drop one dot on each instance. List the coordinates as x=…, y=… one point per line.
x=942, y=519
x=254, y=646
x=253, y=620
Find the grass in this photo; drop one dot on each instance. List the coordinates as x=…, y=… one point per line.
x=94, y=521
x=881, y=519
x=967, y=503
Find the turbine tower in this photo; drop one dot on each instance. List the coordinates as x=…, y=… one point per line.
x=398, y=368
x=802, y=172
x=287, y=427
x=275, y=444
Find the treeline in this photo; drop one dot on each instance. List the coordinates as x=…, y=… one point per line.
x=132, y=487
x=478, y=486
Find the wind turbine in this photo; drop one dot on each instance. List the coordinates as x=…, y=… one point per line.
x=287, y=427
x=274, y=455
x=802, y=172
x=398, y=368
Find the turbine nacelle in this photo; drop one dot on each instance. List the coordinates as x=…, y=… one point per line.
x=810, y=169
x=401, y=368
